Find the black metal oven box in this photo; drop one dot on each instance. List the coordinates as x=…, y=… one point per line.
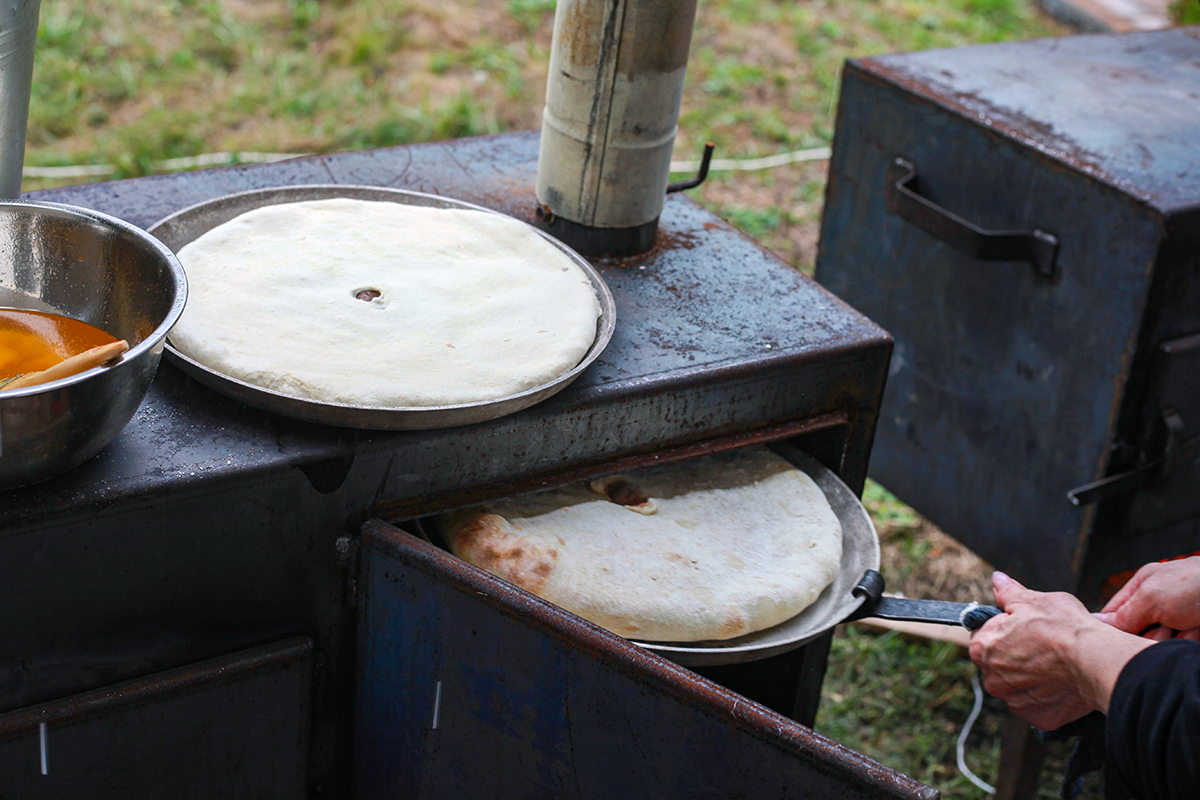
x=1024, y=219
x=187, y=609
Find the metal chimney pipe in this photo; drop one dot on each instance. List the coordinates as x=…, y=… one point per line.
x=612, y=106
x=18, y=38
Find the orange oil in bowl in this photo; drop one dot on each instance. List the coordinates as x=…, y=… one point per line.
x=31, y=341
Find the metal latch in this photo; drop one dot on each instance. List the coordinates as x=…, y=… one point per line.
x=1174, y=451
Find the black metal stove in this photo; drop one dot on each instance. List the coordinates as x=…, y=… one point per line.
x=209, y=530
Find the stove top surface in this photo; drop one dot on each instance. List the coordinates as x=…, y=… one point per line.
x=705, y=307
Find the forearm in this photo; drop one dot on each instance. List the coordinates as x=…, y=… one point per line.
x=1100, y=653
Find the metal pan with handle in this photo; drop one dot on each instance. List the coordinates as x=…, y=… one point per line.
x=855, y=593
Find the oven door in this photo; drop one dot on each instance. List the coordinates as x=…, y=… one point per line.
x=468, y=686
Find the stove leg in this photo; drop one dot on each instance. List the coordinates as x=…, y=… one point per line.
x=789, y=683
x=1021, y=755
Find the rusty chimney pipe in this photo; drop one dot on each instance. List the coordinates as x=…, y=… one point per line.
x=612, y=106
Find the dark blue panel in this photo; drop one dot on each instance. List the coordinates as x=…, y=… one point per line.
x=535, y=702
x=236, y=726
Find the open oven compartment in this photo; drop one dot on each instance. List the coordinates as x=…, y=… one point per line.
x=782, y=667
x=859, y=553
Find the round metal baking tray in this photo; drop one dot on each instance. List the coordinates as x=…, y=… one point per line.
x=186, y=225
x=860, y=552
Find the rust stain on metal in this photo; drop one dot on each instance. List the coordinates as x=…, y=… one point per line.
x=664, y=241
x=685, y=293
x=397, y=510
x=663, y=34
x=679, y=240
x=1002, y=121
x=579, y=23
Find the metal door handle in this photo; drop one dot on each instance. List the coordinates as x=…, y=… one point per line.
x=971, y=616
x=1037, y=247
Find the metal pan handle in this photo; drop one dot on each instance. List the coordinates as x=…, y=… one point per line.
x=970, y=615
x=1037, y=247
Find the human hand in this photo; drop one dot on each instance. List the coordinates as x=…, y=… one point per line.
x=1166, y=594
x=1049, y=659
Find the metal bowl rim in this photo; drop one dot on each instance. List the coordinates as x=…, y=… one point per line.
x=160, y=331
x=385, y=417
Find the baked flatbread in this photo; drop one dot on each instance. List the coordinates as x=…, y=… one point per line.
x=708, y=549
x=384, y=304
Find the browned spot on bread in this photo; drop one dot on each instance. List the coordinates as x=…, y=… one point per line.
x=734, y=624
x=487, y=541
x=622, y=492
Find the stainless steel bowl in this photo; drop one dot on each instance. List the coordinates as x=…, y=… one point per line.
x=106, y=272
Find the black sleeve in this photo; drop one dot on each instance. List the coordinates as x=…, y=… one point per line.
x=1152, y=737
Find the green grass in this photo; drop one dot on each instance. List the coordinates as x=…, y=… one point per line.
x=886, y=510
x=305, y=76
x=1185, y=12
x=904, y=701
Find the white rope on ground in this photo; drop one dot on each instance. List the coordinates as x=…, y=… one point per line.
x=966, y=731
x=214, y=159
x=169, y=165
x=766, y=162
x=222, y=159
x=67, y=172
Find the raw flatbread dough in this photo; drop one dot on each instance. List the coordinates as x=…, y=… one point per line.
x=735, y=543
x=472, y=306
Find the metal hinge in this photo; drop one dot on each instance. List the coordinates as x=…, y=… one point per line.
x=346, y=558
x=1172, y=451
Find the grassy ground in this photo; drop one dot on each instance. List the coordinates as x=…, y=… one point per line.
x=129, y=84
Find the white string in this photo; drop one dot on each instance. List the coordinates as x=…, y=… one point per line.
x=42, y=742
x=437, y=704
x=170, y=165
x=219, y=159
x=966, y=731
x=766, y=162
